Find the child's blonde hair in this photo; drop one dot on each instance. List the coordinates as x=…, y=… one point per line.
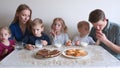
x=6, y=28
x=37, y=21
x=64, y=27
x=82, y=23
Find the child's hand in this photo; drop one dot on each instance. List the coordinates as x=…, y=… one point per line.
x=13, y=46
x=5, y=52
x=68, y=43
x=53, y=33
x=44, y=42
x=77, y=43
x=30, y=47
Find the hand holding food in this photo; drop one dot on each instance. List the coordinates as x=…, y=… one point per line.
x=5, y=52
x=44, y=42
x=77, y=42
x=101, y=36
x=30, y=47
x=13, y=46
x=53, y=33
x=68, y=43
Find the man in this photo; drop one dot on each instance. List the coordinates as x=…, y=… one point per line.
x=106, y=32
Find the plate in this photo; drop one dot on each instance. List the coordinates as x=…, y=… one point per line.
x=45, y=53
x=76, y=53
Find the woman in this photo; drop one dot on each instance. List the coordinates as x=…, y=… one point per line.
x=20, y=25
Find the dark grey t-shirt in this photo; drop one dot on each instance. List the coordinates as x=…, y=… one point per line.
x=112, y=32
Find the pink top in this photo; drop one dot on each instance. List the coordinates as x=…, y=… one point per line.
x=3, y=47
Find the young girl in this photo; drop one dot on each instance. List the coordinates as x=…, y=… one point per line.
x=37, y=34
x=59, y=32
x=19, y=26
x=83, y=29
x=6, y=45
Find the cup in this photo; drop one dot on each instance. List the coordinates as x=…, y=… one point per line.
x=84, y=44
x=38, y=44
x=19, y=45
x=57, y=44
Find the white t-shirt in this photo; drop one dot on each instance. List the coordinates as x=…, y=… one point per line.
x=86, y=39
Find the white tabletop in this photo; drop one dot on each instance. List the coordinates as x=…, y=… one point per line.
x=97, y=57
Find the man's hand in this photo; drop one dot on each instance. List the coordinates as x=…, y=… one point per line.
x=101, y=36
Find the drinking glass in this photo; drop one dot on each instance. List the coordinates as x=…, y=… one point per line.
x=19, y=45
x=38, y=44
x=84, y=44
x=57, y=43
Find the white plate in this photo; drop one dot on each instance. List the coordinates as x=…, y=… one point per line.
x=64, y=53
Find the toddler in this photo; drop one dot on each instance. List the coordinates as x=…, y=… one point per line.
x=83, y=29
x=37, y=29
x=6, y=45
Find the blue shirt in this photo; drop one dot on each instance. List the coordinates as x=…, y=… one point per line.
x=112, y=32
x=30, y=39
x=16, y=32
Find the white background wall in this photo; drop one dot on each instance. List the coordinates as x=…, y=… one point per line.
x=72, y=11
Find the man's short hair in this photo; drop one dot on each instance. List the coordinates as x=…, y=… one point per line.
x=96, y=15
